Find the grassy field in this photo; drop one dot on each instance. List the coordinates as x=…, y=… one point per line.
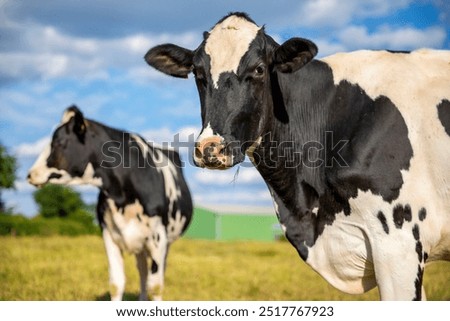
x=75, y=268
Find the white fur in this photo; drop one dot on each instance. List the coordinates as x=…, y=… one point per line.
x=115, y=265
x=207, y=132
x=234, y=33
x=68, y=114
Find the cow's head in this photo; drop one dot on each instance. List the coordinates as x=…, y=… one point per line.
x=233, y=68
x=66, y=160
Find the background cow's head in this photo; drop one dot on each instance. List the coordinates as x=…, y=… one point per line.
x=66, y=159
x=233, y=68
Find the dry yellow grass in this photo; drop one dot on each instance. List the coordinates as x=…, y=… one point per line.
x=75, y=268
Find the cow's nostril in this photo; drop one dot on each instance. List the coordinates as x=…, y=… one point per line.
x=198, y=153
x=28, y=176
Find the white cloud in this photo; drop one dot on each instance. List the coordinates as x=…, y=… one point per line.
x=32, y=149
x=22, y=186
x=327, y=48
x=48, y=54
x=320, y=13
x=166, y=135
x=386, y=37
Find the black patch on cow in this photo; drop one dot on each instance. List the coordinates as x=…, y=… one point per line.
x=444, y=114
x=422, y=214
x=419, y=247
x=419, y=250
x=54, y=175
x=378, y=146
x=416, y=232
x=399, y=51
x=383, y=221
x=154, y=267
x=425, y=257
x=418, y=284
x=401, y=214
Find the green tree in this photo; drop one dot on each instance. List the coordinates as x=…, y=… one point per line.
x=8, y=166
x=62, y=202
x=57, y=201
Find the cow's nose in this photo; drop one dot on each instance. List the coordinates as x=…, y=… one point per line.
x=210, y=153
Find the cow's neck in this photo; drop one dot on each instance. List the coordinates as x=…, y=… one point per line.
x=291, y=155
x=102, y=163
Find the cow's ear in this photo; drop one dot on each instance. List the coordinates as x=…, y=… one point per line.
x=294, y=54
x=171, y=60
x=79, y=123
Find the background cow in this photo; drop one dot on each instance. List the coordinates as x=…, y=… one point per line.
x=144, y=203
x=354, y=148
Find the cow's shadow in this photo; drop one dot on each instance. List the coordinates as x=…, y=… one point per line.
x=127, y=296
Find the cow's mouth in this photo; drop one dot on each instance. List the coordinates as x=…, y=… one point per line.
x=35, y=181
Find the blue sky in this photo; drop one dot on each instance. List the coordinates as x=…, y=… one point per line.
x=90, y=53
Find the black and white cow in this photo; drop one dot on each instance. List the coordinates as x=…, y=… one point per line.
x=144, y=202
x=354, y=148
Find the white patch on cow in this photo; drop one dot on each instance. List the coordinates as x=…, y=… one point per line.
x=340, y=255
x=68, y=114
x=252, y=148
x=38, y=173
x=142, y=145
x=173, y=193
x=206, y=133
x=172, y=190
x=227, y=43
x=275, y=206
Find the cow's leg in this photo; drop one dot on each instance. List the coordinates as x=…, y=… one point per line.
x=399, y=265
x=116, y=268
x=158, y=246
x=142, y=265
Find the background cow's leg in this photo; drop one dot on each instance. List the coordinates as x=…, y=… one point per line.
x=142, y=265
x=116, y=268
x=158, y=246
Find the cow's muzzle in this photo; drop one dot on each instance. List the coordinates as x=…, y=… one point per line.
x=211, y=153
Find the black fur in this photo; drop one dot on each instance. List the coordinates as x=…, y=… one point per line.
x=444, y=114
x=401, y=214
x=383, y=221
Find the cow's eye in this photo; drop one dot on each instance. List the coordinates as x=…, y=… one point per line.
x=259, y=70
